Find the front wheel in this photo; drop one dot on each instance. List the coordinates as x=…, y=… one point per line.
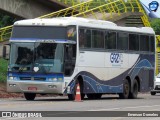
x=73, y=95
x=29, y=96
x=94, y=96
x=126, y=89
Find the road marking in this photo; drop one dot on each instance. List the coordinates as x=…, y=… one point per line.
x=124, y=108
x=24, y=105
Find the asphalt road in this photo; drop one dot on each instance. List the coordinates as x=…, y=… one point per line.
x=110, y=107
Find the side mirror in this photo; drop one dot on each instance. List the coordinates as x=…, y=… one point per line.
x=6, y=50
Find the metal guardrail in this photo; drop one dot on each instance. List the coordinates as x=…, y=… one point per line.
x=157, y=54
x=70, y=11
x=144, y=17
x=116, y=6
x=158, y=43
x=5, y=32
x=71, y=2
x=111, y=7
x=90, y=8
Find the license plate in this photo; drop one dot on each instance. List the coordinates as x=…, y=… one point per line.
x=32, y=88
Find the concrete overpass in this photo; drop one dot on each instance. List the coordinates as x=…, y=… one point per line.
x=30, y=8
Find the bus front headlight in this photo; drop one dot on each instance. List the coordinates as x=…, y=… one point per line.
x=12, y=78
x=60, y=79
x=52, y=79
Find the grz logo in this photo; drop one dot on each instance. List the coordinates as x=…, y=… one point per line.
x=116, y=58
x=153, y=6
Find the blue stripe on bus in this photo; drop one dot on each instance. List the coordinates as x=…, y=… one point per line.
x=37, y=75
x=142, y=64
x=94, y=85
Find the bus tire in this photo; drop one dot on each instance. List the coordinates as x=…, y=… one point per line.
x=98, y=96
x=30, y=96
x=153, y=93
x=94, y=96
x=72, y=96
x=126, y=89
x=134, y=93
x=90, y=96
x=82, y=96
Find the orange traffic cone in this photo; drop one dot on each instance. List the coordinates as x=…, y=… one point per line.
x=78, y=94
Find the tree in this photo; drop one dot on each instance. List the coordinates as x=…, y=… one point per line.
x=6, y=20
x=155, y=24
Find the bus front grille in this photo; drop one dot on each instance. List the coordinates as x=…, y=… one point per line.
x=33, y=78
x=25, y=78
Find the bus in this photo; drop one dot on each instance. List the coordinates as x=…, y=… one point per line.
x=52, y=56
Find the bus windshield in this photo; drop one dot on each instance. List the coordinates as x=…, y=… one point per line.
x=38, y=57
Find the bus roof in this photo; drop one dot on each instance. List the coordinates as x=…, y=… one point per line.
x=85, y=22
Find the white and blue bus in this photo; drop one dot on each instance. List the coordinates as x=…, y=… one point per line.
x=54, y=55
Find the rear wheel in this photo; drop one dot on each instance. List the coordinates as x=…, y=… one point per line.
x=134, y=93
x=153, y=93
x=126, y=89
x=29, y=96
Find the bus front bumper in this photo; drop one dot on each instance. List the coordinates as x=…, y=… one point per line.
x=35, y=87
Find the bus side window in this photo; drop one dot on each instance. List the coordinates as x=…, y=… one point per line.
x=97, y=39
x=152, y=44
x=81, y=38
x=144, y=43
x=110, y=40
x=85, y=38
x=134, y=42
x=122, y=41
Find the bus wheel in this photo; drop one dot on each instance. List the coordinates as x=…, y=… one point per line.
x=98, y=96
x=126, y=89
x=153, y=93
x=94, y=96
x=82, y=96
x=134, y=93
x=90, y=96
x=72, y=96
x=29, y=96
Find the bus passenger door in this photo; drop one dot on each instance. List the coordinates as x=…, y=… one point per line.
x=70, y=59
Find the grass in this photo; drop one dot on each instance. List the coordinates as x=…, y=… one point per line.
x=3, y=70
